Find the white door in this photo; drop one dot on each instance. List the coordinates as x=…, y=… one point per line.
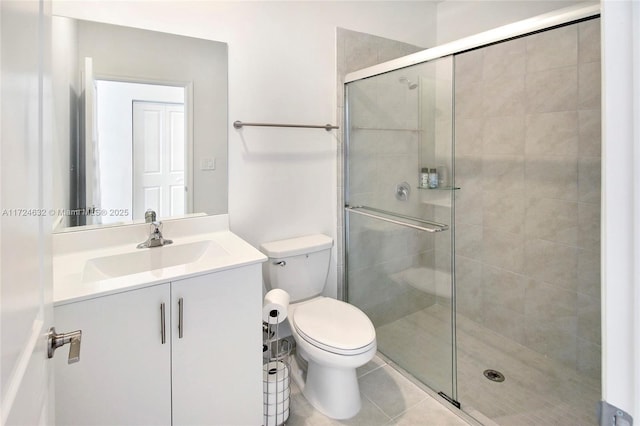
x=158, y=159
x=25, y=228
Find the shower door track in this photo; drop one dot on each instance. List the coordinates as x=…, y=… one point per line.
x=565, y=16
x=390, y=217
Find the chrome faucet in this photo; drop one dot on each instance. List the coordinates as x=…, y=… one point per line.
x=149, y=216
x=155, y=237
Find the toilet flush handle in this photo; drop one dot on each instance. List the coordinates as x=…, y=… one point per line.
x=281, y=263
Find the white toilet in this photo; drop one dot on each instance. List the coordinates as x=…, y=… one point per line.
x=333, y=337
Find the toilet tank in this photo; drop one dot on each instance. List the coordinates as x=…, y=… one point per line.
x=298, y=266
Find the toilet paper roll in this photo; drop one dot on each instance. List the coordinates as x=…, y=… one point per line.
x=274, y=371
x=275, y=377
x=278, y=408
x=275, y=305
x=275, y=395
x=277, y=419
x=275, y=388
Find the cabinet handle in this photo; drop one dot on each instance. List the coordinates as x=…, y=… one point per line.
x=180, y=318
x=163, y=330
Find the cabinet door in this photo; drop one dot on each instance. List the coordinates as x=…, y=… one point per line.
x=217, y=361
x=124, y=373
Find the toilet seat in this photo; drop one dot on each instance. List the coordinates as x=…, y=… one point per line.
x=334, y=326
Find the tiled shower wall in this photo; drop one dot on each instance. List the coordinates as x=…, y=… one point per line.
x=355, y=51
x=395, y=128
x=390, y=266
x=527, y=125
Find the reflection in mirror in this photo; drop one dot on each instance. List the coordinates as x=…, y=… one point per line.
x=141, y=123
x=140, y=151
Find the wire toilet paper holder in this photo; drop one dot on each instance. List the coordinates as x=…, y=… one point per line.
x=276, y=354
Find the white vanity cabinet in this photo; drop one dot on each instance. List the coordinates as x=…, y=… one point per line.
x=217, y=363
x=208, y=371
x=124, y=373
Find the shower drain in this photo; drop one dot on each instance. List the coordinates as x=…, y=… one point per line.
x=493, y=375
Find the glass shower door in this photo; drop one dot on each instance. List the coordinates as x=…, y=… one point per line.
x=399, y=221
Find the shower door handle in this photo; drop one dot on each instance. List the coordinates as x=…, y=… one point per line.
x=383, y=215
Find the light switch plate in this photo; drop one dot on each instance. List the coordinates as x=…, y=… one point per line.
x=208, y=164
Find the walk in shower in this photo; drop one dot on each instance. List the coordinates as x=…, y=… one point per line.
x=484, y=283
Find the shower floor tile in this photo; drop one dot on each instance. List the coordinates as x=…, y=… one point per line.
x=537, y=390
x=388, y=398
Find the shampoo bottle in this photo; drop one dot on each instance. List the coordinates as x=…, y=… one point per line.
x=433, y=178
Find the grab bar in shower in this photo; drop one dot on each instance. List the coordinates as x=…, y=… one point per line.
x=239, y=125
x=384, y=215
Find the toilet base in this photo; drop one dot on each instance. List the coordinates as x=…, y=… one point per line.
x=298, y=372
x=330, y=383
x=332, y=391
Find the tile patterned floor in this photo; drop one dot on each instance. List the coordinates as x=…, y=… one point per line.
x=388, y=398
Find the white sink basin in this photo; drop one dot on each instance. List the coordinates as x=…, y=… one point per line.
x=149, y=259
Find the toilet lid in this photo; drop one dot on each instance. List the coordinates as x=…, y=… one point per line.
x=334, y=325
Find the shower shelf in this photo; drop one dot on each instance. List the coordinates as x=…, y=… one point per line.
x=440, y=188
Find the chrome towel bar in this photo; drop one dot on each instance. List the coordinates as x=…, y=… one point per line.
x=383, y=215
x=239, y=125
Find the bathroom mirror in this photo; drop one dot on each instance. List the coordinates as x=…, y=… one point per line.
x=140, y=123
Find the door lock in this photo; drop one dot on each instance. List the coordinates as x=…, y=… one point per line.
x=55, y=340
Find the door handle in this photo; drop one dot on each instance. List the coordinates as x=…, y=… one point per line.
x=55, y=340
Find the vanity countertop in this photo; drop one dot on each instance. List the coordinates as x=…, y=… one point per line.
x=200, y=246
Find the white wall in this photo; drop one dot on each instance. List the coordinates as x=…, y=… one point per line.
x=621, y=205
x=282, y=68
